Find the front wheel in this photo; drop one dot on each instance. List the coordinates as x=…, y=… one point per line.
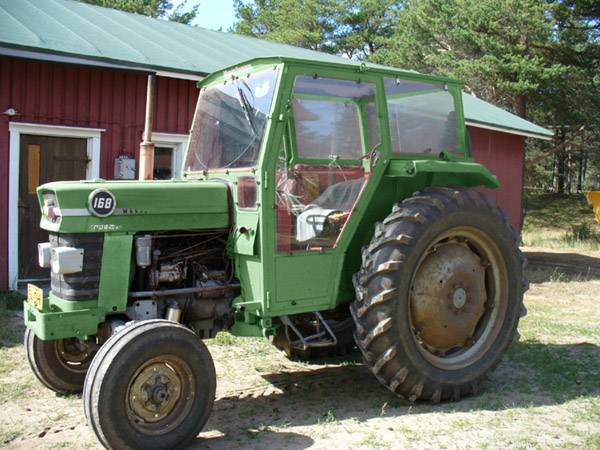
x=60, y=364
x=151, y=386
x=439, y=294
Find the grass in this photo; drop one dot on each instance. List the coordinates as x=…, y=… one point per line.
x=560, y=221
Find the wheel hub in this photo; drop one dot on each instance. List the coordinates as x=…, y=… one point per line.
x=459, y=298
x=155, y=392
x=73, y=354
x=448, y=297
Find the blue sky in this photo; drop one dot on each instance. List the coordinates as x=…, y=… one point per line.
x=213, y=14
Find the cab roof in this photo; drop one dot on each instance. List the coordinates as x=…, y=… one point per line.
x=343, y=64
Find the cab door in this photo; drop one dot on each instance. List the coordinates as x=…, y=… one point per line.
x=329, y=152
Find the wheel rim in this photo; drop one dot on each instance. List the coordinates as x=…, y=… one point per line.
x=74, y=355
x=458, y=298
x=160, y=395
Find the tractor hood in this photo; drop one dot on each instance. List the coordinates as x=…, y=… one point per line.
x=129, y=206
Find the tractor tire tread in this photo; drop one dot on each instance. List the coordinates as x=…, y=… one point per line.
x=377, y=282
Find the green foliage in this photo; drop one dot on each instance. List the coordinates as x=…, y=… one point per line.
x=152, y=8
x=540, y=59
x=305, y=23
x=364, y=27
x=494, y=46
x=354, y=28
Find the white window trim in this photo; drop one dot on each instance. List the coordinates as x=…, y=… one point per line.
x=177, y=142
x=16, y=129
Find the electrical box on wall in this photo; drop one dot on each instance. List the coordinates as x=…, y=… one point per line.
x=124, y=168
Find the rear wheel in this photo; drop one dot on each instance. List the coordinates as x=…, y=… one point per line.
x=59, y=364
x=151, y=385
x=439, y=294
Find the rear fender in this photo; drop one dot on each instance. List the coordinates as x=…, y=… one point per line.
x=431, y=172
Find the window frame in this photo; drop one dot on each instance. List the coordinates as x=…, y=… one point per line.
x=176, y=142
x=288, y=135
x=224, y=76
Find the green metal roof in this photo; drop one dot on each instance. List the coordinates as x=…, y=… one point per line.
x=77, y=30
x=479, y=112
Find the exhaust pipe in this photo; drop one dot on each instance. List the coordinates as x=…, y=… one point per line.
x=147, y=146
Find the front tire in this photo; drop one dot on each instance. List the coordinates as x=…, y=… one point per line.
x=439, y=294
x=61, y=364
x=152, y=385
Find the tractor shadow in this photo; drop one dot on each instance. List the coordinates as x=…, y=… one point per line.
x=531, y=374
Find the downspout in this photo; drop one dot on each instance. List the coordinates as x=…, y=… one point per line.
x=147, y=146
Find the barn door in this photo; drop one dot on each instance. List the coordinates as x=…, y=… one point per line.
x=43, y=159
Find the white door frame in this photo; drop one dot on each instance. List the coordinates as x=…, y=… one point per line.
x=16, y=129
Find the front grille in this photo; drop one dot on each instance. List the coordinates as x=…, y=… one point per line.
x=82, y=285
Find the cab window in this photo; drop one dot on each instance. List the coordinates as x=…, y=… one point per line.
x=421, y=117
x=333, y=126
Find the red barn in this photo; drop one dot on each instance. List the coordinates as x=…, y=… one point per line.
x=72, y=98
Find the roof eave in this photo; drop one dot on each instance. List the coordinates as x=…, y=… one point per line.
x=487, y=126
x=8, y=49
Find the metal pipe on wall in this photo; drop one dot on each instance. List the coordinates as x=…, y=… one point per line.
x=147, y=146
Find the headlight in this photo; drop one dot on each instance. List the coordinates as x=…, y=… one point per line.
x=50, y=209
x=66, y=260
x=44, y=254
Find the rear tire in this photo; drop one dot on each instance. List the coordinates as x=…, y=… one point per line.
x=439, y=294
x=60, y=365
x=151, y=386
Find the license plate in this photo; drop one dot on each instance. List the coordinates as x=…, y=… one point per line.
x=35, y=296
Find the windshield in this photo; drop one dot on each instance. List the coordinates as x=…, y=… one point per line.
x=229, y=123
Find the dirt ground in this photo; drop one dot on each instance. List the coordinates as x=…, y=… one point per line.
x=545, y=394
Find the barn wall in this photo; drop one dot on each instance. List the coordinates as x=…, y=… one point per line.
x=502, y=154
x=81, y=96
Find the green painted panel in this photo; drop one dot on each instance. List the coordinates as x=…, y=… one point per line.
x=115, y=272
x=245, y=233
x=249, y=271
x=60, y=318
x=59, y=325
x=302, y=279
x=140, y=206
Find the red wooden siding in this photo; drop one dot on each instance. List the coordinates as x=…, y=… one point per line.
x=81, y=96
x=502, y=154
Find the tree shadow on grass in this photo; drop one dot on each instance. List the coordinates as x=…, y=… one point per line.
x=531, y=374
x=556, y=266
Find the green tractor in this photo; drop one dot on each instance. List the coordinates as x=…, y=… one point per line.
x=320, y=205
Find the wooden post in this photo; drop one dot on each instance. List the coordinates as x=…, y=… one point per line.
x=147, y=146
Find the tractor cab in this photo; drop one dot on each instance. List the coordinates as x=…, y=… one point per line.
x=315, y=154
